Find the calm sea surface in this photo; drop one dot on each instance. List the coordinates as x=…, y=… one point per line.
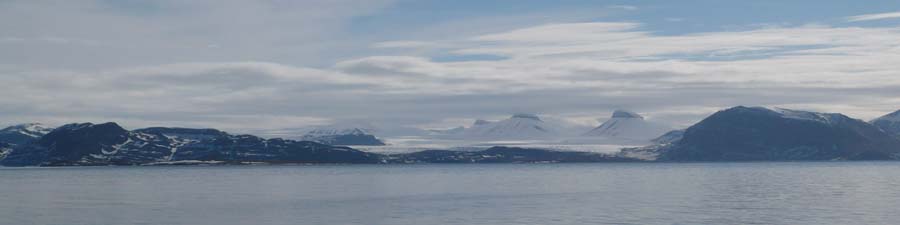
x=626, y=193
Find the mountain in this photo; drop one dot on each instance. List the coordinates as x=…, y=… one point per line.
x=889, y=123
x=628, y=125
x=517, y=127
x=762, y=134
x=23, y=133
x=110, y=144
x=342, y=136
x=669, y=137
x=461, y=130
x=501, y=154
x=481, y=122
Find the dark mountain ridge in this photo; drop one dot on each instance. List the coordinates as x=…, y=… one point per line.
x=734, y=134
x=110, y=144
x=501, y=154
x=889, y=123
x=23, y=133
x=761, y=134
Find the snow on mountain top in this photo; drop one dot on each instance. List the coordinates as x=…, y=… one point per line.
x=626, y=114
x=804, y=115
x=30, y=129
x=343, y=128
x=628, y=125
x=336, y=131
x=519, y=126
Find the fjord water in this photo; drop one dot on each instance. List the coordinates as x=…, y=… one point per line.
x=614, y=193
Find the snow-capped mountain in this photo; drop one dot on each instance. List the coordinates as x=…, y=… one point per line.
x=330, y=131
x=518, y=127
x=889, y=123
x=460, y=130
x=110, y=144
x=343, y=134
x=629, y=126
x=827, y=118
x=23, y=133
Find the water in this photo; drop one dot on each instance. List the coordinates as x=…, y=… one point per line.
x=627, y=193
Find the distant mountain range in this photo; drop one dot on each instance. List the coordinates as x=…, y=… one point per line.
x=518, y=127
x=87, y=144
x=502, y=154
x=734, y=134
x=342, y=136
x=623, y=126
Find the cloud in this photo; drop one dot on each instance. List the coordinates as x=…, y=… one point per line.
x=402, y=44
x=624, y=7
x=154, y=67
x=587, y=68
x=877, y=16
x=135, y=33
x=226, y=95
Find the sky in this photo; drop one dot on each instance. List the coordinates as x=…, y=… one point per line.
x=258, y=66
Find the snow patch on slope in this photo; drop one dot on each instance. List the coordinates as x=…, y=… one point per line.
x=805, y=115
x=29, y=129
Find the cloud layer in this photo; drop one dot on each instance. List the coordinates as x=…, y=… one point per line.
x=573, y=71
x=877, y=16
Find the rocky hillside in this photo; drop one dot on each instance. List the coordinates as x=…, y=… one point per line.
x=110, y=144
x=762, y=134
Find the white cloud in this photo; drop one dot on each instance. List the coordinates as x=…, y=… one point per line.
x=134, y=33
x=624, y=7
x=620, y=65
x=402, y=44
x=876, y=16
x=571, y=71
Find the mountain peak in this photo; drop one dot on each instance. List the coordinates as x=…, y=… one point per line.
x=337, y=131
x=480, y=122
x=628, y=125
x=518, y=127
x=759, y=133
x=101, y=126
x=30, y=129
x=23, y=133
x=827, y=118
x=889, y=123
x=893, y=117
x=526, y=116
x=626, y=114
x=343, y=134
